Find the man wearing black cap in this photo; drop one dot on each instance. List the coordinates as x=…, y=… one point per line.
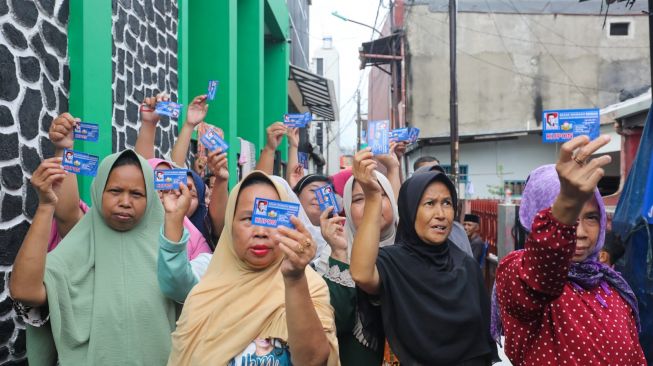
x=472, y=228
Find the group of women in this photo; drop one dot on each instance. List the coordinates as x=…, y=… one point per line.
x=136, y=279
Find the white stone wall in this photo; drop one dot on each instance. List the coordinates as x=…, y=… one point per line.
x=34, y=84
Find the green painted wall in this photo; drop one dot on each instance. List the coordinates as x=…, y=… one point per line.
x=223, y=40
x=89, y=50
x=251, y=125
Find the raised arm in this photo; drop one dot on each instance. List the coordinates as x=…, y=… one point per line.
x=174, y=271
x=275, y=133
x=366, y=241
x=195, y=114
x=26, y=283
x=393, y=167
x=217, y=162
x=306, y=335
x=293, y=159
x=527, y=283
x=149, y=118
x=66, y=211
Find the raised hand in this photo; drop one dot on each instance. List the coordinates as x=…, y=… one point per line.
x=148, y=107
x=217, y=162
x=363, y=171
x=298, y=247
x=334, y=234
x=197, y=110
x=46, y=178
x=578, y=176
x=275, y=133
x=296, y=174
x=389, y=160
x=61, y=131
x=293, y=136
x=400, y=149
x=176, y=202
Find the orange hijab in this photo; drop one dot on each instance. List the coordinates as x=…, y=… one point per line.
x=232, y=305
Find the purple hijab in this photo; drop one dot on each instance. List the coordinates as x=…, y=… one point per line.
x=542, y=188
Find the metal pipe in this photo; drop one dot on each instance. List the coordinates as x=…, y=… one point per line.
x=453, y=96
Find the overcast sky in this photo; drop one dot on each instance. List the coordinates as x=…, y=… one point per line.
x=347, y=38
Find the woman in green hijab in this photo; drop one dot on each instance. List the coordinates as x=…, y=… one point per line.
x=97, y=292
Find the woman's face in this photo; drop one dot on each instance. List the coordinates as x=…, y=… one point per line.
x=253, y=244
x=358, y=204
x=434, y=218
x=124, y=199
x=587, y=232
x=309, y=202
x=190, y=183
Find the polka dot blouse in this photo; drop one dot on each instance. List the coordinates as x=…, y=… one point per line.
x=547, y=320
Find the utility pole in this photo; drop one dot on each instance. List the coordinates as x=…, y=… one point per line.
x=453, y=94
x=359, y=122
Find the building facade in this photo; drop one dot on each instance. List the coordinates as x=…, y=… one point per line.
x=514, y=59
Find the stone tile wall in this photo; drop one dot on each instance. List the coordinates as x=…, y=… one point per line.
x=34, y=83
x=144, y=63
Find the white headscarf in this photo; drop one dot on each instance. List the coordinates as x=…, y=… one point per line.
x=303, y=217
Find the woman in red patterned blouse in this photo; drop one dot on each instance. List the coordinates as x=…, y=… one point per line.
x=557, y=304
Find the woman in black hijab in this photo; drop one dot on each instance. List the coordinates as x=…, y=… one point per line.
x=434, y=307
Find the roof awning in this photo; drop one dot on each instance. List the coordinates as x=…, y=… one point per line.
x=317, y=93
x=380, y=51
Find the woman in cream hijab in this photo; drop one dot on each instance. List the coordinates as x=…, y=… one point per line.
x=258, y=300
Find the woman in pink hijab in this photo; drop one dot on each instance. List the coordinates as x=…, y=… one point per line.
x=197, y=244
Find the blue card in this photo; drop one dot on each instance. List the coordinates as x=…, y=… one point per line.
x=86, y=131
x=303, y=159
x=213, y=87
x=271, y=213
x=79, y=162
x=326, y=197
x=399, y=134
x=167, y=179
x=170, y=109
x=565, y=124
x=377, y=137
x=297, y=119
x=212, y=141
x=413, y=134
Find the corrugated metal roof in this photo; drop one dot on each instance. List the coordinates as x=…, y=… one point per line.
x=591, y=7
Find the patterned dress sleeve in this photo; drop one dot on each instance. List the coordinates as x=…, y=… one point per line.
x=529, y=280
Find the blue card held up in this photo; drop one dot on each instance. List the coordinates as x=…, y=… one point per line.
x=399, y=134
x=170, y=109
x=326, y=197
x=86, y=132
x=414, y=134
x=297, y=119
x=213, y=87
x=377, y=137
x=212, y=141
x=80, y=163
x=271, y=213
x=303, y=159
x=167, y=179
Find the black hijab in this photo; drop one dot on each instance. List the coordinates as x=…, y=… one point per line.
x=434, y=305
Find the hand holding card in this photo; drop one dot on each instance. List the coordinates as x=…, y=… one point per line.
x=168, y=179
x=212, y=141
x=80, y=163
x=272, y=213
